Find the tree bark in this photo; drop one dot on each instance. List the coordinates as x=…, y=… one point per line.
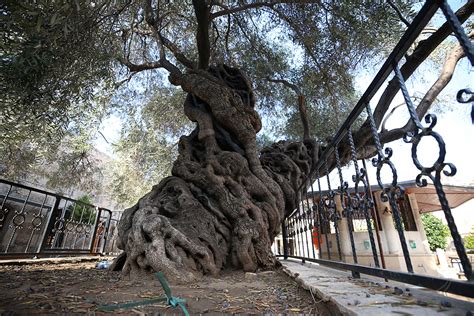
x=302, y=107
x=201, y=10
x=224, y=203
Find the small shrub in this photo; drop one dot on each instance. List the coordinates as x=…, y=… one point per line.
x=469, y=240
x=436, y=231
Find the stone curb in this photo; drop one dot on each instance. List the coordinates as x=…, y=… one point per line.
x=318, y=293
x=367, y=296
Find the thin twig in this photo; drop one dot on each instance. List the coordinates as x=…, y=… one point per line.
x=315, y=302
x=399, y=13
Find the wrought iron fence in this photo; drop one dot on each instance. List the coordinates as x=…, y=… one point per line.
x=35, y=222
x=323, y=227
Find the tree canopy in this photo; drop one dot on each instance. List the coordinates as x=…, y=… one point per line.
x=63, y=63
x=66, y=65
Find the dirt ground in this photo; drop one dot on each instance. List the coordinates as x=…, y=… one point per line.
x=80, y=288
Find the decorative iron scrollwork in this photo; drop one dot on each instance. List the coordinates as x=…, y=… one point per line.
x=433, y=172
x=36, y=222
x=18, y=219
x=347, y=209
x=393, y=191
x=58, y=226
x=3, y=215
x=334, y=215
x=362, y=203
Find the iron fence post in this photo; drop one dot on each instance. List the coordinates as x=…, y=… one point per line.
x=50, y=216
x=285, y=239
x=106, y=231
x=94, y=232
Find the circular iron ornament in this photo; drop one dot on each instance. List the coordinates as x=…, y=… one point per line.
x=70, y=226
x=442, y=152
x=394, y=189
x=380, y=164
x=18, y=219
x=36, y=222
x=80, y=228
x=58, y=225
x=3, y=214
x=439, y=165
x=465, y=96
x=343, y=187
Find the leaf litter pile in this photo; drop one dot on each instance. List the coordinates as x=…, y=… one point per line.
x=80, y=288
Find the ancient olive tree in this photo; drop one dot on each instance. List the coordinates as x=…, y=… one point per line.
x=225, y=199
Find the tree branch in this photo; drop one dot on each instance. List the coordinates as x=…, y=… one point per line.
x=121, y=82
x=183, y=59
x=152, y=22
x=286, y=83
x=226, y=10
x=140, y=67
x=106, y=140
x=269, y=4
x=387, y=117
x=399, y=13
x=227, y=33
x=362, y=137
x=308, y=49
x=162, y=63
x=202, y=34
x=456, y=54
x=177, y=53
x=302, y=105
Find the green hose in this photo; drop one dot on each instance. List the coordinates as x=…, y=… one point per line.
x=170, y=300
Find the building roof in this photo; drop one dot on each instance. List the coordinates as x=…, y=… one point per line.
x=426, y=197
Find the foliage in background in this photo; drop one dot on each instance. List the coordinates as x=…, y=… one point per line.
x=469, y=239
x=61, y=72
x=147, y=146
x=56, y=69
x=82, y=212
x=436, y=231
x=317, y=47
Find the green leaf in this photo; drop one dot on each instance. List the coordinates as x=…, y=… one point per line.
x=53, y=19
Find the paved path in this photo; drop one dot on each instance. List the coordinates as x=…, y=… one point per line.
x=373, y=296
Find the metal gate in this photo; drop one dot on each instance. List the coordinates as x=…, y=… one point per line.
x=35, y=222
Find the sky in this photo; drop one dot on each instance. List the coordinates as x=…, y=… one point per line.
x=454, y=125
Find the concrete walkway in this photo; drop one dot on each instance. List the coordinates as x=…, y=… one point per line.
x=372, y=296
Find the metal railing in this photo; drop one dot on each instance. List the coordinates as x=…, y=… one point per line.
x=35, y=222
x=322, y=227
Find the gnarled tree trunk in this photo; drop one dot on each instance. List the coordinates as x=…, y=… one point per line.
x=224, y=203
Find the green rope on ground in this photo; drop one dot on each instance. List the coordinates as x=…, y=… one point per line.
x=170, y=300
x=111, y=307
